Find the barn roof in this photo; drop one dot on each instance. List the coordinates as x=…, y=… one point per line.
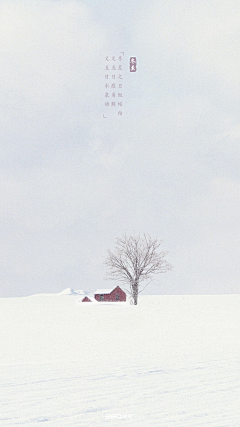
x=104, y=291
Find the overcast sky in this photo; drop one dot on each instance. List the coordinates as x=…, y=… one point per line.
x=72, y=181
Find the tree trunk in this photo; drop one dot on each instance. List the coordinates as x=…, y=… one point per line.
x=135, y=293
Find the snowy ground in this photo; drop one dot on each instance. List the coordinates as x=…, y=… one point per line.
x=170, y=361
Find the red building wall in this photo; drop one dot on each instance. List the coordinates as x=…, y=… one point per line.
x=116, y=295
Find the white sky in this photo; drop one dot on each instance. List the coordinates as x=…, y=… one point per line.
x=71, y=182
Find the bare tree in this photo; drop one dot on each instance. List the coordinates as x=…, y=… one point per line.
x=135, y=260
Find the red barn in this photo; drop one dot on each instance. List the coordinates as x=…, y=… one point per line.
x=115, y=294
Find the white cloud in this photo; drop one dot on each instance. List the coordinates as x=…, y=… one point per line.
x=47, y=47
x=194, y=38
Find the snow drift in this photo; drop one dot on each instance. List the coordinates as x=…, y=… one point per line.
x=171, y=360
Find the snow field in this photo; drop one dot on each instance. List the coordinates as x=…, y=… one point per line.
x=170, y=361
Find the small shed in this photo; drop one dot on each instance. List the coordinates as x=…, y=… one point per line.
x=110, y=295
x=87, y=299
